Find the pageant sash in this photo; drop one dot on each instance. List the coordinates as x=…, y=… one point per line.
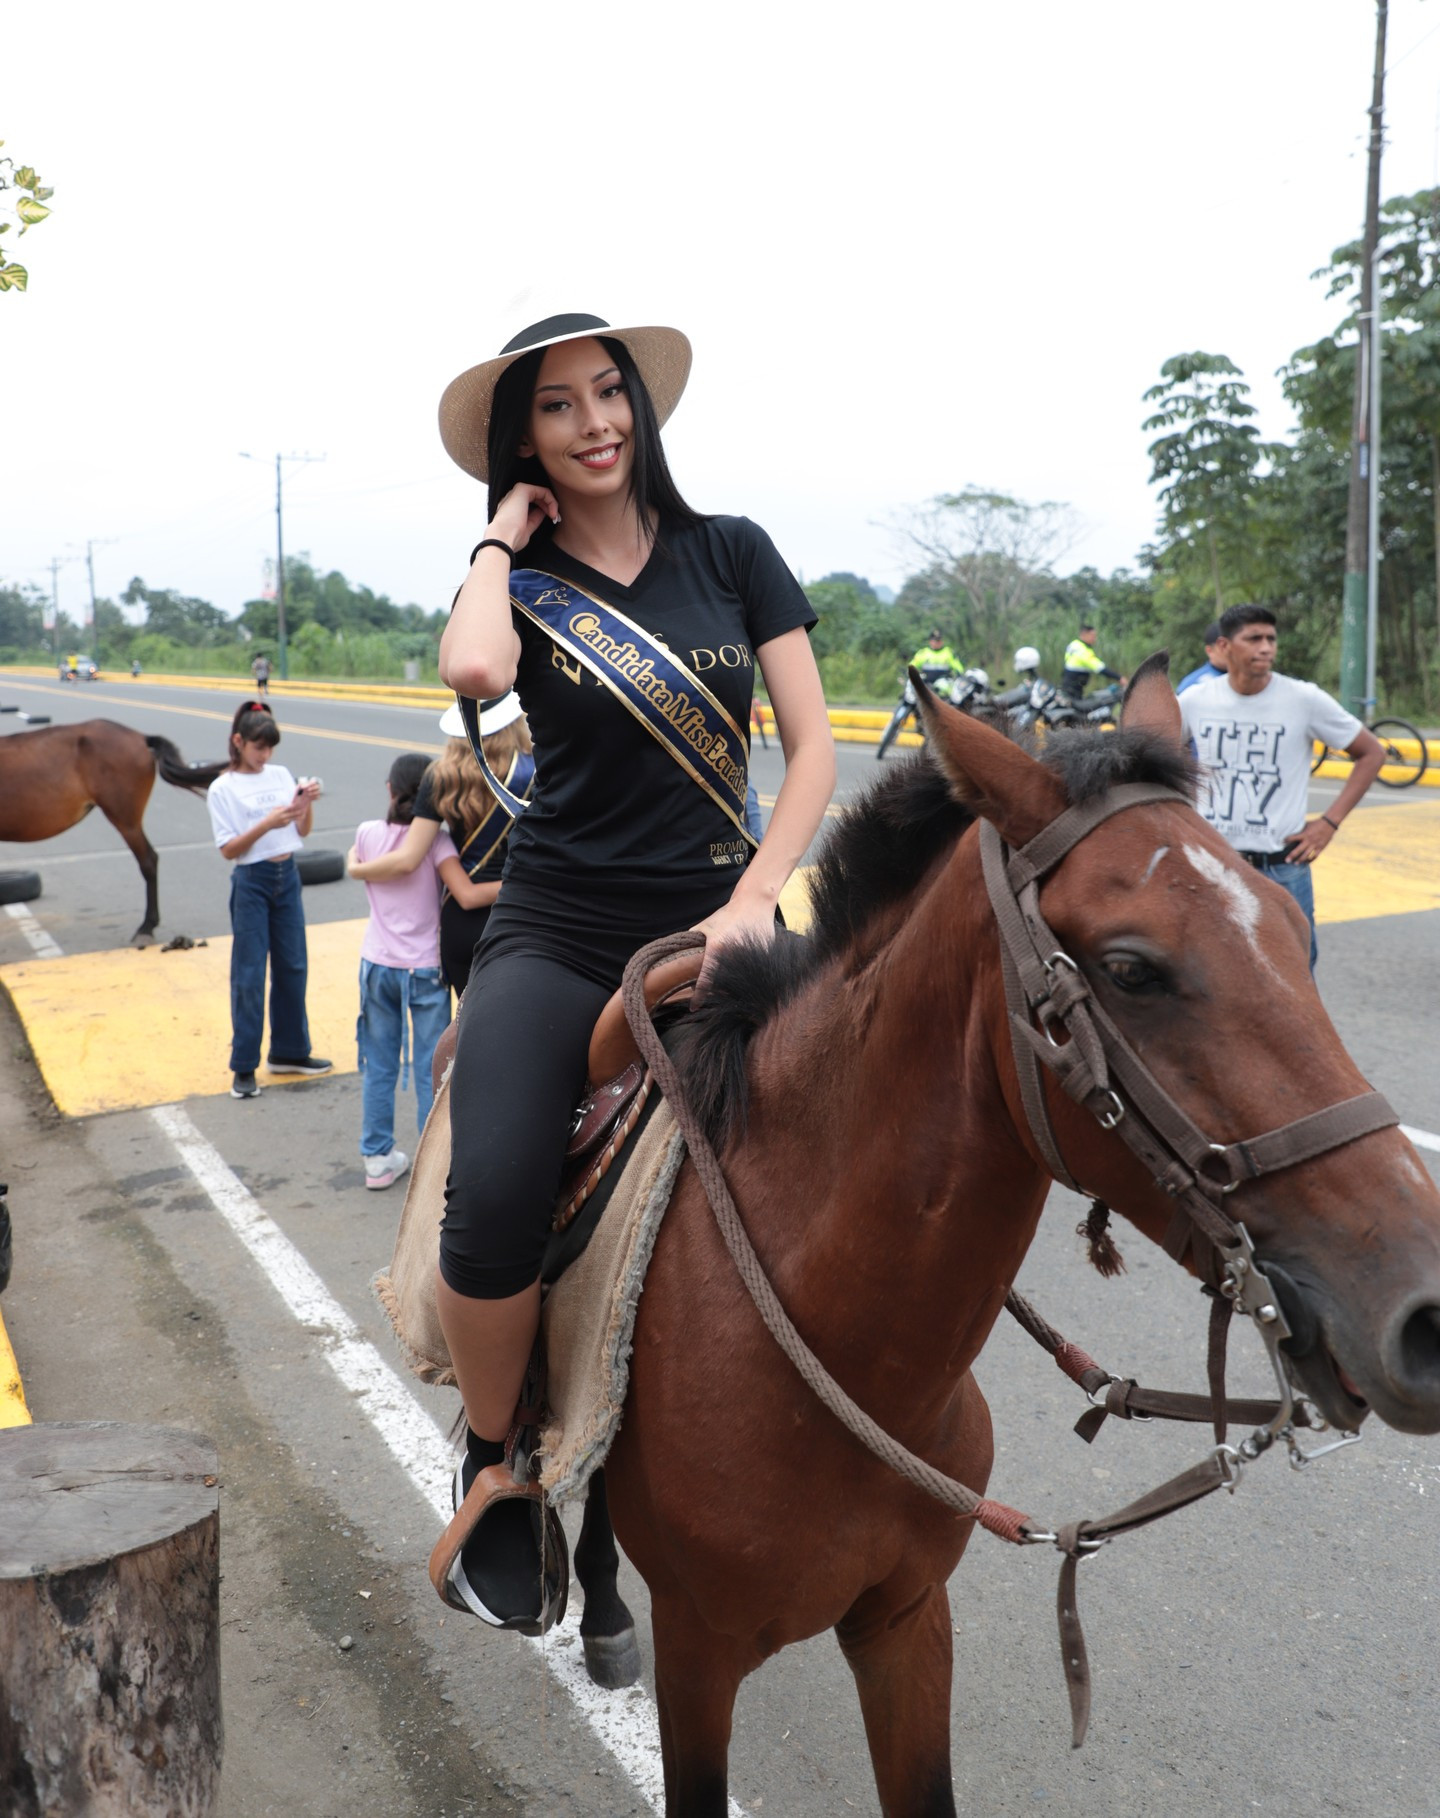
x=512, y=805
x=649, y=681
x=491, y=834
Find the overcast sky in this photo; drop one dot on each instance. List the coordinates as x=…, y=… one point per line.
x=915, y=246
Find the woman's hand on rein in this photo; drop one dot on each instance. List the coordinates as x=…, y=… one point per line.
x=521, y=513
x=733, y=921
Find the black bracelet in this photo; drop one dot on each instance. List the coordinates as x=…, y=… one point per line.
x=1333, y=825
x=491, y=543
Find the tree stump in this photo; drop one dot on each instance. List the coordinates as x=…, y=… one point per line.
x=109, y=1622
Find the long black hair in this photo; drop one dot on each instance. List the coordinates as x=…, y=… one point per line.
x=653, y=491
x=406, y=775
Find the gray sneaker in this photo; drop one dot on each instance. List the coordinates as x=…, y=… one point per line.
x=244, y=1085
x=385, y=1170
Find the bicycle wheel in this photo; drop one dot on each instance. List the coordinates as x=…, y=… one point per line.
x=1400, y=739
x=1320, y=756
x=892, y=731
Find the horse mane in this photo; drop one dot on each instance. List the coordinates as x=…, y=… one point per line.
x=881, y=849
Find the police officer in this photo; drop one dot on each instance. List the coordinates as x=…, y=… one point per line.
x=1081, y=663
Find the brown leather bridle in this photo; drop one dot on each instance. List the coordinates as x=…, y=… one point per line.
x=1047, y=992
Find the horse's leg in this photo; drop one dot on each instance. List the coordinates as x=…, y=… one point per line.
x=607, y=1629
x=126, y=814
x=697, y=1674
x=901, y=1662
x=149, y=863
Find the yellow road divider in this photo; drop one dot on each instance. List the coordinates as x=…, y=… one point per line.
x=13, y=1412
x=1384, y=861
x=113, y=1031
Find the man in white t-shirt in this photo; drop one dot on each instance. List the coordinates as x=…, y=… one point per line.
x=1254, y=732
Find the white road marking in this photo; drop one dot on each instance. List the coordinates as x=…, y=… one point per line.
x=625, y=1723
x=45, y=945
x=1422, y=1139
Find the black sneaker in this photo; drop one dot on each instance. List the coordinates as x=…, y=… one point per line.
x=244, y=1085
x=498, y=1574
x=311, y=1064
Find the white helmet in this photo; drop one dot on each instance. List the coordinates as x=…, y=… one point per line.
x=1027, y=657
x=979, y=677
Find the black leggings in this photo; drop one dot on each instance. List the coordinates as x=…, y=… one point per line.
x=460, y=932
x=538, y=983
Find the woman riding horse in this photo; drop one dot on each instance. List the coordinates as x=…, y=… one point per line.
x=621, y=600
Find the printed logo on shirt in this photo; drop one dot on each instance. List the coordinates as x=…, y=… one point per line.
x=1245, y=763
x=728, y=656
x=728, y=852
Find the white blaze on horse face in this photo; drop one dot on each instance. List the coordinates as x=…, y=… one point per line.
x=1155, y=859
x=1241, y=904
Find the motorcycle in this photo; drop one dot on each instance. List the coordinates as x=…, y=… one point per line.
x=1039, y=703
x=968, y=690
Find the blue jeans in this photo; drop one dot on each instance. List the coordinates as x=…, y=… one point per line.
x=383, y=1039
x=268, y=923
x=1298, y=881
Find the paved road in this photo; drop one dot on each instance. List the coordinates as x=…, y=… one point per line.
x=1273, y=1651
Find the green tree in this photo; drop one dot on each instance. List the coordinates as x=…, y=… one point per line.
x=987, y=555
x=24, y=196
x=1319, y=381
x=22, y=620
x=176, y=616
x=1207, y=465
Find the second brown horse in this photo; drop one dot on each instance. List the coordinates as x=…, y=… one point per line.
x=52, y=777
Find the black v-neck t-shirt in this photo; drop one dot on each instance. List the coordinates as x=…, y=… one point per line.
x=611, y=809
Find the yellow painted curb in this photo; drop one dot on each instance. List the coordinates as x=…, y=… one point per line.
x=1385, y=861
x=118, y=1030
x=13, y=1412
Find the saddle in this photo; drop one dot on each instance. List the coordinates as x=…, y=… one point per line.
x=607, y=1115
x=618, y=1084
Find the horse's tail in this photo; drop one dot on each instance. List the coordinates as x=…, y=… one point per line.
x=173, y=769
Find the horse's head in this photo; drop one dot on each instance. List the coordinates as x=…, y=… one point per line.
x=1201, y=966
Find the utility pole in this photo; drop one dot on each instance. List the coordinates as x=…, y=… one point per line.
x=56, y=564
x=282, y=653
x=90, y=546
x=1353, y=636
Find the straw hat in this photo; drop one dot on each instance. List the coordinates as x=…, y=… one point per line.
x=494, y=718
x=661, y=354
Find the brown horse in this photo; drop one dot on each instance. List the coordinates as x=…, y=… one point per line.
x=51, y=778
x=755, y=1519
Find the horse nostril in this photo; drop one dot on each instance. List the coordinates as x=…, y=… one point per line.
x=1420, y=1348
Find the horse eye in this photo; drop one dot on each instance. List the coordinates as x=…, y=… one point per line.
x=1133, y=975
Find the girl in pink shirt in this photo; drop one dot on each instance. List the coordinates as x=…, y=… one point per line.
x=404, y=1000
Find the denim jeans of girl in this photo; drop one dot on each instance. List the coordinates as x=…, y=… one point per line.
x=403, y=1014
x=268, y=923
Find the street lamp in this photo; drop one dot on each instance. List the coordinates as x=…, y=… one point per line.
x=280, y=553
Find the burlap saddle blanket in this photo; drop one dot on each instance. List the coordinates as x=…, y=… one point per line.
x=588, y=1314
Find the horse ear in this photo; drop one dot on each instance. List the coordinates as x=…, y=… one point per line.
x=987, y=772
x=1150, y=702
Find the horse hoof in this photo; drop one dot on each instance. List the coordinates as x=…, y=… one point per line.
x=612, y=1661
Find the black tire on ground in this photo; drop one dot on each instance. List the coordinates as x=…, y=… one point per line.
x=892, y=731
x=19, y=886
x=321, y=866
x=36, y=719
x=1390, y=733
x=14, y=709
